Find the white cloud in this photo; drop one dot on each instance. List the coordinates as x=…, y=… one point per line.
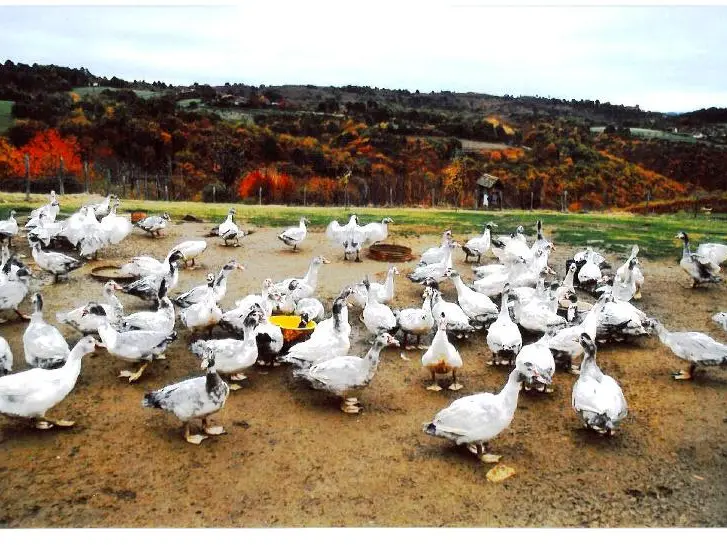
x=660, y=58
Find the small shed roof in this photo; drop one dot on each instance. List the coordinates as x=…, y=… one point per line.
x=487, y=181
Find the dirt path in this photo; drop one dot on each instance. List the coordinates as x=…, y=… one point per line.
x=291, y=458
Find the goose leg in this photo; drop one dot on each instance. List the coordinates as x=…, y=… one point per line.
x=60, y=423
x=489, y=458
x=358, y=257
x=212, y=430
x=455, y=385
x=434, y=387
x=133, y=377
x=194, y=439
x=685, y=375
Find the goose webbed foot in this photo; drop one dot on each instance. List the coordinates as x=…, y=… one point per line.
x=61, y=423
x=350, y=405
x=22, y=316
x=133, y=377
x=237, y=377
x=193, y=439
x=683, y=375
x=212, y=430
x=434, y=387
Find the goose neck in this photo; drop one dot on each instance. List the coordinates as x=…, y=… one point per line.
x=372, y=358
x=510, y=392
x=504, y=312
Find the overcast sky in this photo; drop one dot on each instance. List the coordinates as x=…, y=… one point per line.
x=661, y=58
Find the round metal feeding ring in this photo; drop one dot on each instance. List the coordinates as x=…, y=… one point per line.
x=390, y=253
x=110, y=271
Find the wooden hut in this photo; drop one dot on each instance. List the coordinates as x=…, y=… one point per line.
x=490, y=187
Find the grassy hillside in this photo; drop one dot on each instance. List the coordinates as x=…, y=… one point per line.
x=6, y=118
x=611, y=232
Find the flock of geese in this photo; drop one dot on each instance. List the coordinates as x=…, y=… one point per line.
x=511, y=300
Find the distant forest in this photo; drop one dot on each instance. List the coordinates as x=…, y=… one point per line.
x=331, y=145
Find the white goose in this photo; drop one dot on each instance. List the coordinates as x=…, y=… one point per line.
x=198, y=397
x=145, y=265
x=478, y=246
x=50, y=211
x=13, y=290
x=566, y=345
x=311, y=308
x=59, y=265
x=620, y=320
x=590, y=274
x=416, y=321
x=458, y=323
x=204, y=315
x=293, y=236
x=102, y=209
x=509, y=249
x=154, y=224
x=87, y=323
x=628, y=279
x=597, y=398
x=330, y=338
x=721, y=319
x=233, y=356
x=435, y=271
x=305, y=286
x=700, y=268
x=536, y=362
x=716, y=253
x=32, y=393
x=9, y=228
x=228, y=229
x=503, y=337
x=376, y=232
x=147, y=287
x=442, y=358
x=538, y=315
x=377, y=317
x=46, y=230
x=382, y=293
x=477, y=306
x=44, y=345
x=695, y=347
x=161, y=320
x=6, y=357
x=341, y=375
x=350, y=236
x=476, y=419
x=137, y=346
x=190, y=250
x=115, y=227
x=435, y=254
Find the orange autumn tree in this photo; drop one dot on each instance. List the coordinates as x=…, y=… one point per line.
x=45, y=150
x=11, y=160
x=276, y=186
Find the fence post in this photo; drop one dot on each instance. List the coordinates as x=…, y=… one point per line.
x=305, y=195
x=85, y=176
x=391, y=196
x=166, y=192
x=146, y=187
x=26, y=160
x=62, y=190
x=565, y=200
x=432, y=198
x=260, y=196
x=500, y=192
x=532, y=196
x=108, y=180
x=214, y=193
x=648, y=198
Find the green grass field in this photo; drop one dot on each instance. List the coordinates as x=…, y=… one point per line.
x=83, y=91
x=609, y=232
x=6, y=118
x=652, y=133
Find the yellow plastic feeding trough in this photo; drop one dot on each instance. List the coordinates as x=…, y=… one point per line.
x=289, y=326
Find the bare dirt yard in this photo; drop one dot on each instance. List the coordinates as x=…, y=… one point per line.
x=291, y=458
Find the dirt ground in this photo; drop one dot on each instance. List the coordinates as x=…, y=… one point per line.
x=292, y=459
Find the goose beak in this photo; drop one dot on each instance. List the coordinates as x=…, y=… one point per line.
x=240, y=267
x=393, y=342
x=324, y=260
x=100, y=345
